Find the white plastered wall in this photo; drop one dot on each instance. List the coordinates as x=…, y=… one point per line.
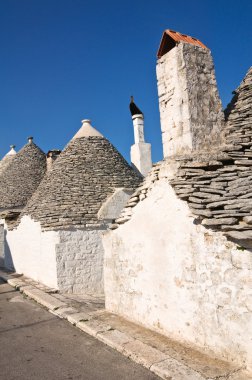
x=166, y=272
x=32, y=252
x=79, y=256
x=1, y=243
x=71, y=260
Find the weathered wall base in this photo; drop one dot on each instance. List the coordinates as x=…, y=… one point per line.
x=30, y=251
x=1, y=244
x=68, y=260
x=168, y=273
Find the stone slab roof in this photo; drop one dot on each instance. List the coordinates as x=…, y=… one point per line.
x=85, y=174
x=22, y=176
x=217, y=186
x=4, y=163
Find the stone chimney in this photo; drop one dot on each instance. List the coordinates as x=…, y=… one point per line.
x=140, y=152
x=190, y=108
x=51, y=157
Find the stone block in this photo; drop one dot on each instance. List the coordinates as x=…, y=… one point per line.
x=115, y=339
x=77, y=317
x=93, y=327
x=171, y=369
x=143, y=353
x=43, y=298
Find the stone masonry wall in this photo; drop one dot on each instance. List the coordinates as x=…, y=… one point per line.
x=217, y=189
x=79, y=256
x=205, y=107
x=190, y=108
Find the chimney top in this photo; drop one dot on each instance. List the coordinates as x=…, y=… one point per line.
x=12, y=151
x=86, y=130
x=30, y=139
x=86, y=121
x=138, y=116
x=170, y=38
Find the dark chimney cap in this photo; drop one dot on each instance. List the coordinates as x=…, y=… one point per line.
x=53, y=152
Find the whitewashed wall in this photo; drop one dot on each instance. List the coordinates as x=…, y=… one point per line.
x=32, y=252
x=166, y=272
x=79, y=256
x=71, y=261
x=1, y=243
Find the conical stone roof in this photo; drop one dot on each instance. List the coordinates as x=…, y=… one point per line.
x=82, y=178
x=4, y=163
x=22, y=176
x=239, y=112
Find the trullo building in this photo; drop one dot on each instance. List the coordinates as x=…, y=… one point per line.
x=182, y=263
x=20, y=175
x=57, y=239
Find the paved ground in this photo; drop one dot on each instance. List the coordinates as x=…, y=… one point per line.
x=37, y=345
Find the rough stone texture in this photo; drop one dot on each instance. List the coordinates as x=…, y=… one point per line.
x=190, y=107
x=22, y=176
x=82, y=178
x=43, y=298
x=4, y=163
x=69, y=260
x=169, y=273
x=166, y=270
x=60, y=228
x=173, y=371
x=216, y=185
x=79, y=257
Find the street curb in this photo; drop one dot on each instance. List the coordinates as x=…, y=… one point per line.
x=156, y=361
x=88, y=324
x=43, y=298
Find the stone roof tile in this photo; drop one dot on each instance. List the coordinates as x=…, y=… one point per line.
x=7, y=159
x=217, y=185
x=22, y=176
x=85, y=174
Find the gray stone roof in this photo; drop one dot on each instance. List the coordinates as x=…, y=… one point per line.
x=84, y=175
x=217, y=185
x=21, y=177
x=4, y=163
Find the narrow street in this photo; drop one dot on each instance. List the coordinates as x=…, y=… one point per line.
x=37, y=345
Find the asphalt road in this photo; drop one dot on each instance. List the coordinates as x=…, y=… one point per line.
x=37, y=345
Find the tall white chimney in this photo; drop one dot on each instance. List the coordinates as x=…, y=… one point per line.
x=140, y=152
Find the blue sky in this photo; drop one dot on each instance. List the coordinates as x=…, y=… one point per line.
x=66, y=60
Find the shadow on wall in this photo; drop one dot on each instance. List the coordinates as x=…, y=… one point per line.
x=7, y=257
